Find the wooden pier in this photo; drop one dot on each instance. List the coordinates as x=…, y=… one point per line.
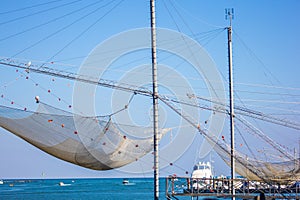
x=177, y=187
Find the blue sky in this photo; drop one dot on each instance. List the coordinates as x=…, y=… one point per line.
x=265, y=53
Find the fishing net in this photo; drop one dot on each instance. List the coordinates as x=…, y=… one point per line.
x=260, y=170
x=280, y=169
x=92, y=142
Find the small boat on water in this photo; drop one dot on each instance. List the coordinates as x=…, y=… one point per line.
x=63, y=184
x=125, y=181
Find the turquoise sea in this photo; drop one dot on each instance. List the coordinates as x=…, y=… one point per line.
x=110, y=188
x=97, y=188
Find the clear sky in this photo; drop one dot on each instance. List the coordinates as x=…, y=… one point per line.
x=265, y=59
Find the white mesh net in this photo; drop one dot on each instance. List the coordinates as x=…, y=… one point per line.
x=91, y=142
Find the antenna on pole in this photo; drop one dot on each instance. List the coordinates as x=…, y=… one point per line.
x=229, y=15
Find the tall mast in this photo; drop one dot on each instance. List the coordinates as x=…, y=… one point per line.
x=229, y=13
x=155, y=101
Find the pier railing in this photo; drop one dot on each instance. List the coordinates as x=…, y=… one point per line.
x=219, y=187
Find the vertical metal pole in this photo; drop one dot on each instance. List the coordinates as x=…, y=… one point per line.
x=231, y=107
x=155, y=101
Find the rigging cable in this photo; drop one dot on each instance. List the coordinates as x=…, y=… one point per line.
x=48, y=22
x=28, y=7
x=88, y=28
x=60, y=30
x=245, y=142
x=189, y=48
x=39, y=12
x=263, y=136
x=196, y=18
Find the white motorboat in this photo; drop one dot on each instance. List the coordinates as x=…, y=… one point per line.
x=201, y=174
x=202, y=170
x=63, y=184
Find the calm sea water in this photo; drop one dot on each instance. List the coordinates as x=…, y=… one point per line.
x=139, y=188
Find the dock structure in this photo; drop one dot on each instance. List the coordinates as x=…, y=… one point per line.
x=177, y=187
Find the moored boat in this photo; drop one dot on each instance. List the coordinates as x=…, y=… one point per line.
x=202, y=170
x=201, y=174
